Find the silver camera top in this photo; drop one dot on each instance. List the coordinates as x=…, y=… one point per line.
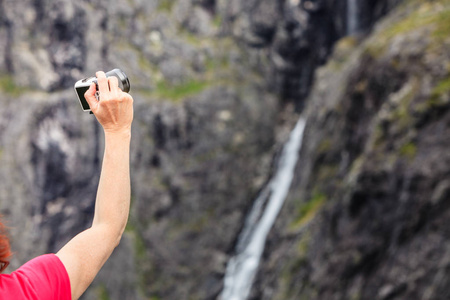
x=82, y=85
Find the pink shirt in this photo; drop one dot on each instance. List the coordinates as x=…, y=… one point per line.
x=42, y=278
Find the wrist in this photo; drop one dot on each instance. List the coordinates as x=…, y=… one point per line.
x=124, y=133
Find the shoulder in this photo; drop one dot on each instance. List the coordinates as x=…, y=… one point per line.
x=43, y=277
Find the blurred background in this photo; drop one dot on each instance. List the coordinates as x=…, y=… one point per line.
x=218, y=87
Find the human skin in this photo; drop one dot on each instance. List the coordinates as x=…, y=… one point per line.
x=86, y=253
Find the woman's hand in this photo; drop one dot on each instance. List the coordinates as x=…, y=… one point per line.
x=85, y=254
x=114, y=109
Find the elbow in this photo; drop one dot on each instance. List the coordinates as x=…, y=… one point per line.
x=118, y=238
x=112, y=236
x=116, y=242
x=119, y=235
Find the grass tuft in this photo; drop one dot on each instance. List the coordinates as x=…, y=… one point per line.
x=180, y=91
x=165, y=5
x=408, y=150
x=308, y=210
x=8, y=86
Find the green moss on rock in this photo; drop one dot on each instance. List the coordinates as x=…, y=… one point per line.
x=431, y=15
x=408, y=150
x=8, y=86
x=179, y=91
x=439, y=98
x=165, y=5
x=441, y=88
x=342, y=52
x=103, y=293
x=139, y=244
x=308, y=210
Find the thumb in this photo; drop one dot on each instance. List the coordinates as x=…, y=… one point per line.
x=90, y=97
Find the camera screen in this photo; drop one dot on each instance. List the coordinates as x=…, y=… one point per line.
x=81, y=91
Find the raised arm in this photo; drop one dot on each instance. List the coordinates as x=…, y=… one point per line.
x=86, y=253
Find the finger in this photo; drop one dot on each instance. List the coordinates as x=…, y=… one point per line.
x=90, y=96
x=113, y=84
x=103, y=86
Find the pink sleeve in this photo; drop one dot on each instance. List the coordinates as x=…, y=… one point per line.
x=44, y=277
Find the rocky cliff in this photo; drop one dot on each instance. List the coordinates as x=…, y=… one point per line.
x=213, y=83
x=368, y=215
x=203, y=135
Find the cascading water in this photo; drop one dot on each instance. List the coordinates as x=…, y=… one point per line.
x=242, y=267
x=352, y=17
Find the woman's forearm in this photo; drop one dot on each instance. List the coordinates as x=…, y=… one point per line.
x=113, y=195
x=85, y=254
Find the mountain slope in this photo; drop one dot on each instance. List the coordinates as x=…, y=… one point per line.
x=368, y=215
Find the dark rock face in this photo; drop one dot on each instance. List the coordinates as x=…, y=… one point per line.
x=298, y=35
x=370, y=219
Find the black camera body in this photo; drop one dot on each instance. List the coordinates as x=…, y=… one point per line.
x=81, y=86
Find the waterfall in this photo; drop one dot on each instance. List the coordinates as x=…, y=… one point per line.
x=242, y=267
x=352, y=17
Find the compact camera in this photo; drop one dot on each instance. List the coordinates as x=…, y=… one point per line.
x=81, y=86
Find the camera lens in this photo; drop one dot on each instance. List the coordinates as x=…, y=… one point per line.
x=124, y=82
